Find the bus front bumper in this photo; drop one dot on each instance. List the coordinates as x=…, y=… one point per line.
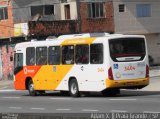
x=127, y=84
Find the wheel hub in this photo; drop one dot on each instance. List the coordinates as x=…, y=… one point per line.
x=73, y=88
x=31, y=87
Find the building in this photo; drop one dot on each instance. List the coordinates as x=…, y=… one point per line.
x=33, y=10
x=14, y=18
x=23, y=20
x=78, y=16
x=6, y=32
x=139, y=17
x=6, y=19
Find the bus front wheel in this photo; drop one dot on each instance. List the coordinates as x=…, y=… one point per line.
x=73, y=88
x=31, y=90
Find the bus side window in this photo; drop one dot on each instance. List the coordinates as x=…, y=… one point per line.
x=96, y=54
x=41, y=55
x=54, y=55
x=82, y=54
x=18, y=62
x=68, y=54
x=30, y=56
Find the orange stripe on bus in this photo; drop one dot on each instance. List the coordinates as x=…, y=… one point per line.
x=28, y=71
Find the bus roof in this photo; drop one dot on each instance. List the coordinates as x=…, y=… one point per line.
x=56, y=41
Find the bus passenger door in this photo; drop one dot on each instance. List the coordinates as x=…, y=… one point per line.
x=82, y=64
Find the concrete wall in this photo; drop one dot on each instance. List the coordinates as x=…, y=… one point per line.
x=22, y=10
x=153, y=41
x=128, y=23
x=44, y=28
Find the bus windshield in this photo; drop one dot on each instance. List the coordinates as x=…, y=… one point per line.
x=127, y=49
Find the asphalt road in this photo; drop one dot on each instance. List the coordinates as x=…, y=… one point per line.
x=132, y=101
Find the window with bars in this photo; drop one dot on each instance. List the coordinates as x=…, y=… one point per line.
x=54, y=55
x=96, y=10
x=30, y=56
x=121, y=8
x=42, y=10
x=3, y=13
x=96, y=53
x=41, y=55
x=143, y=10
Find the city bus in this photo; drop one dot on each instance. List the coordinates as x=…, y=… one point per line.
x=82, y=63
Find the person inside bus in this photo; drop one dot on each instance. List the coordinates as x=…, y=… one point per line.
x=84, y=59
x=32, y=61
x=116, y=49
x=68, y=57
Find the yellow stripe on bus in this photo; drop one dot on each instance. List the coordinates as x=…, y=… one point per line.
x=49, y=77
x=125, y=83
x=78, y=41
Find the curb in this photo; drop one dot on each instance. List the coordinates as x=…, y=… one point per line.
x=154, y=73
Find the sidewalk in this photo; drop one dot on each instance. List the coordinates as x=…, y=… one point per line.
x=6, y=84
x=154, y=73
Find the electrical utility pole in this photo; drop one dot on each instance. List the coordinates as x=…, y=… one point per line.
x=79, y=15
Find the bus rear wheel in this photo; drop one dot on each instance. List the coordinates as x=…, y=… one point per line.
x=31, y=90
x=73, y=88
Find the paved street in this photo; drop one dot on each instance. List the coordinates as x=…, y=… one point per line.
x=128, y=101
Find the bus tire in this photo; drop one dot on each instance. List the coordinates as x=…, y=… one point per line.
x=31, y=90
x=73, y=88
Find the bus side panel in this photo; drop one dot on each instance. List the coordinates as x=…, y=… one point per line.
x=50, y=76
x=89, y=77
x=19, y=82
x=20, y=78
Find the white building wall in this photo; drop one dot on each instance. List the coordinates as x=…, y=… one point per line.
x=128, y=23
x=73, y=10
x=153, y=41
